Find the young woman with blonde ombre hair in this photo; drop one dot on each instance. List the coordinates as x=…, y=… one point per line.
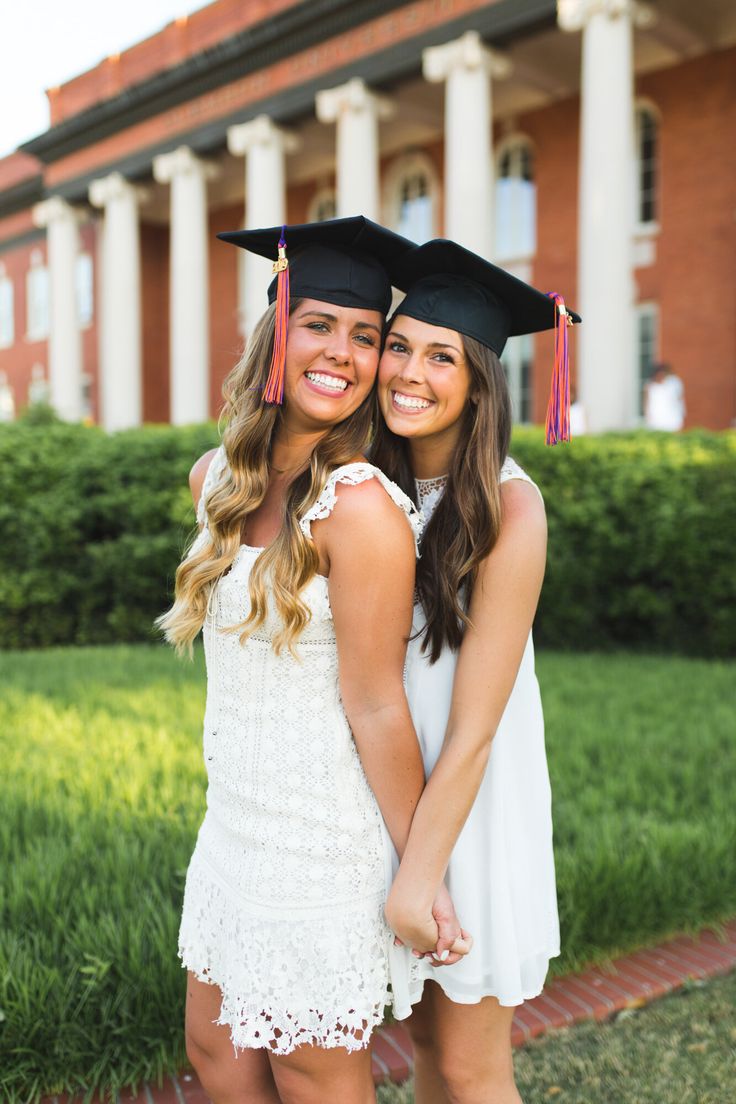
x=301, y=580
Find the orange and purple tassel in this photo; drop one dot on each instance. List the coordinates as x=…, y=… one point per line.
x=274, y=389
x=558, y=408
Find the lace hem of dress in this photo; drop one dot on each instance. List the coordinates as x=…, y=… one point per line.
x=321, y=982
x=352, y=474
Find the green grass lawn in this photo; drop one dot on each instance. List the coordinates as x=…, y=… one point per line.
x=680, y=1050
x=102, y=791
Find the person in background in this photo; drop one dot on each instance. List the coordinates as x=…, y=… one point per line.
x=664, y=400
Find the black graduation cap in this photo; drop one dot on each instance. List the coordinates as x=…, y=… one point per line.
x=347, y=261
x=452, y=287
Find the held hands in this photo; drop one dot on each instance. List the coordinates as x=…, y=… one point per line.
x=433, y=932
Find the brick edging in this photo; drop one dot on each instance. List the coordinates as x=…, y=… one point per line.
x=596, y=993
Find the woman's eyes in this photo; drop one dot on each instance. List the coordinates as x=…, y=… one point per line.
x=400, y=347
x=323, y=327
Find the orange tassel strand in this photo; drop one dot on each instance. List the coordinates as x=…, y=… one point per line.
x=274, y=389
x=558, y=408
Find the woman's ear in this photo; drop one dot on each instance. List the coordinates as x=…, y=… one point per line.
x=474, y=398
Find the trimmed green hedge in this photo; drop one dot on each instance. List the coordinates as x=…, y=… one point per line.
x=642, y=540
x=93, y=526
x=641, y=551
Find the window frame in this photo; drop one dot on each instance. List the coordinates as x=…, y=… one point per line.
x=402, y=169
x=509, y=145
x=647, y=226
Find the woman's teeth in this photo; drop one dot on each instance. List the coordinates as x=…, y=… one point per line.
x=332, y=382
x=410, y=402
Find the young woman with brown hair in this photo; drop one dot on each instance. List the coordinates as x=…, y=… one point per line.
x=301, y=580
x=483, y=822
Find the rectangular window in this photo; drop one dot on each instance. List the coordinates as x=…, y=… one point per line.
x=7, y=320
x=647, y=345
x=37, y=292
x=85, y=293
x=518, y=363
x=646, y=147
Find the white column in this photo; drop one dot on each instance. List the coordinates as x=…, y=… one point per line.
x=356, y=111
x=121, y=338
x=188, y=282
x=605, y=342
x=467, y=66
x=65, y=340
x=264, y=146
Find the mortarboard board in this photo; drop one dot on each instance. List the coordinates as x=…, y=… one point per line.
x=348, y=262
x=451, y=286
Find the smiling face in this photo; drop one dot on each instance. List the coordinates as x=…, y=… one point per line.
x=424, y=381
x=331, y=363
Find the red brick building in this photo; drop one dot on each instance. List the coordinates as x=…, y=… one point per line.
x=587, y=145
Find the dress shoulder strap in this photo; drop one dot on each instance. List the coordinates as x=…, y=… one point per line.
x=511, y=470
x=217, y=466
x=352, y=474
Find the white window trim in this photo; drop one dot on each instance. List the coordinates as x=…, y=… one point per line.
x=7, y=280
x=89, y=323
x=409, y=164
x=40, y=333
x=650, y=309
x=516, y=138
x=652, y=227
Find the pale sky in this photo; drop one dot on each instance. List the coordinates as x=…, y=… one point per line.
x=45, y=42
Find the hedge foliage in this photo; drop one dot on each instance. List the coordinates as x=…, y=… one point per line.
x=642, y=535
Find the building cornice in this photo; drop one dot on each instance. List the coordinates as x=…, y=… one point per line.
x=255, y=48
x=20, y=196
x=499, y=23
x=262, y=45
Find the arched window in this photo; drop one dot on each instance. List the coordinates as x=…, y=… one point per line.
x=410, y=197
x=37, y=298
x=516, y=201
x=323, y=206
x=647, y=168
x=7, y=318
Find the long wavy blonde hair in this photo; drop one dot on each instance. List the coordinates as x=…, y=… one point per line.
x=291, y=560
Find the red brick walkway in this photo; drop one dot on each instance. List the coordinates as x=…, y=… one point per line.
x=628, y=982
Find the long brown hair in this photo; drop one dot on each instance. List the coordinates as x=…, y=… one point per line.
x=291, y=560
x=466, y=522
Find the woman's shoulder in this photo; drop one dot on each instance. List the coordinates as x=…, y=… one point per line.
x=203, y=476
x=366, y=495
x=518, y=486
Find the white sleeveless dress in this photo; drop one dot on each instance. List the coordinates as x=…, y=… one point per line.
x=501, y=875
x=283, y=906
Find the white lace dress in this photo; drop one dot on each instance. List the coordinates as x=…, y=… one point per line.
x=501, y=874
x=283, y=907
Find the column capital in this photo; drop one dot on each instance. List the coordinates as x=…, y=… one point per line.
x=261, y=131
x=574, y=15
x=107, y=188
x=467, y=52
x=354, y=96
x=182, y=161
x=56, y=209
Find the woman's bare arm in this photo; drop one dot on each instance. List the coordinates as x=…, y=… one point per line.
x=370, y=550
x=502, y=610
